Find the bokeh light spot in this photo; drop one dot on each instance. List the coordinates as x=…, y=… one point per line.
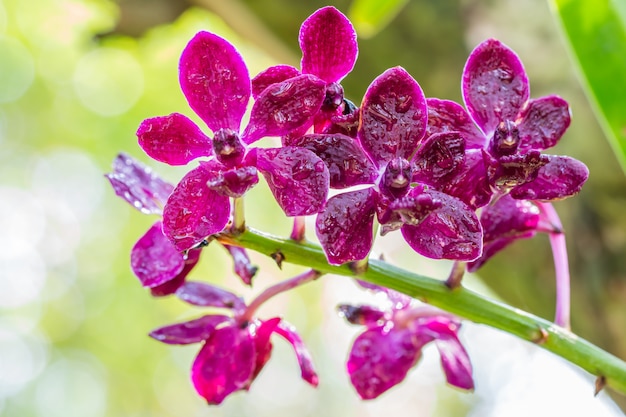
x=17, y=69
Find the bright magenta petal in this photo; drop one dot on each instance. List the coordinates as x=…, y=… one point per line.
x=193, y=211
x=215, y=81
x=154, y=259
x=272, y=75
x=328, y=43
x=207, y=295
x=241, y=262
x=447, y=116
x=393, y=116
x=263, y=344
x=560, y=178
x=495, y=85
x=194, y=331
x=298, y=178
x=173, y=139
x=225, y=364
x=344, y=227
x=543, y=123
x=307, y=370
x=191, y=258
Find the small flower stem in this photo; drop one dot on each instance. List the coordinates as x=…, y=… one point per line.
x=308, y=276
x=456, y=275
x=239, y=221
x=299, y=228
x=561, y=265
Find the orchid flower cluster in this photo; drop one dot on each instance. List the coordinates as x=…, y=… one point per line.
x=459, y=183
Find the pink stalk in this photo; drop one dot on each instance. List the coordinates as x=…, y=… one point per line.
x=561, y=265
x=297, y=233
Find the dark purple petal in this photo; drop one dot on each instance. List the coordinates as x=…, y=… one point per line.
x=410, y=209
x=544, y=121
x=272, y=75
x=285, y=106
x=347, y=164
x=560, y=178
x=194, y=331
x=242, y=265
x=154, y=259
x=193, y=211
x=344, y=227
x=363, y=314
x=514, y=170
x=447, y=116
x=393, y=116
x=380, y=359
x=233, y=182
x=207, y=295
x=307, y=370
x=439, y=158
x=328, y=43
x=450, y=232
x=215, y=81
x=173, y=139
x=191, y=258
x=495, y=85
x=139, y=185
x=298, y=178
x=262, y=343
x=225, y=364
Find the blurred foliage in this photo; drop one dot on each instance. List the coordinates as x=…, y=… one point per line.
x=371, y=16
x=77, y=77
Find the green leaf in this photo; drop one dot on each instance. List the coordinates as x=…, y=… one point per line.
x=371, y=16
x=596, y=33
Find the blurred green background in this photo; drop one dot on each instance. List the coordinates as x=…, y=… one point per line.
x=76, y=79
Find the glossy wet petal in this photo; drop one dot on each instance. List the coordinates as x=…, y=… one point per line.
x=362, y=314
x=225, y=364
x=447, y=116
x=173, y=139
x=439, y=158
x=136, y=183
x=508, y=172
x=543, y=123
x=154, y=259
x=450, y=232
x=262, y=344
x=215, y=81
x=297, y=177
x=307, y=370
x=560, y=178
x=328, y=43
x=242, y=264
x=411, y=209
x=344, y=227
x=285, y=106
x=193, y=331
x=191, y=258
x=193, y=211
x=393, y=116
x=380, y=359
x=495, y=85
x=230, y=182
x=272, y=75
x=347, y=163
x=207, y=295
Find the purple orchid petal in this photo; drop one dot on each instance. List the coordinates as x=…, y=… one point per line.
x=234, y=182
x=393, y=116
x=262, y=344
x=173, y=139
x=380, y=359
x=307, y=370
x=193, y=211
x=154, y=259
x=215, y=81
x=347, y=163
x=139, y=185
x=560, y=178
x=544, y=121
x=504, y=222
x=344, y=227
x=411, y=209
x=272, y=75
x=297, y=177
x=207, y=295
x=363, y=314
x=450, y=232
x=191, y=258
x=511, y=171
x=439, y=158
x=194, y=331
x=225, y=364
x=495, y=85
x=328, y=43
x=447, y=116
x=285, y=106
x=242, y=265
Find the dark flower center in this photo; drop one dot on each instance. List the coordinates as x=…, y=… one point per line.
x=334, y=97
x=396, y=178
x=228, y=148
x=505, y=139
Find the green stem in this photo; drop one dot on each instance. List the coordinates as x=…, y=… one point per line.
x=461, y=302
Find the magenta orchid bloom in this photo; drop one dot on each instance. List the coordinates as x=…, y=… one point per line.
x=234, y=348
x=392, y=128
x=215, y=81
x=392, y=343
